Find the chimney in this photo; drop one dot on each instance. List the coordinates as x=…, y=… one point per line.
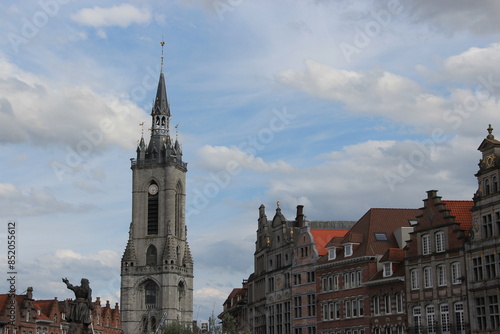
x=300, y=216
x=29, y=293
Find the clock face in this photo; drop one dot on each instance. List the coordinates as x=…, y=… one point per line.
x=153, y=189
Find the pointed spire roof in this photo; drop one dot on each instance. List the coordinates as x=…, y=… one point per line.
x=161, y=106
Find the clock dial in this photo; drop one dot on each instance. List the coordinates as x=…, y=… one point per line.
x=153, y=189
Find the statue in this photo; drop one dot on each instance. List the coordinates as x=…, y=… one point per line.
x=80, y=309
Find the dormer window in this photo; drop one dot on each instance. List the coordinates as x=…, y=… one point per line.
x=381, y=236
x=332, y=254
x=387, y=269
x=348, y=250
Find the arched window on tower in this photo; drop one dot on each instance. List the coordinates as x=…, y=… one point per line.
x=151, y=256
x=487, y=187
x=151, y=292
x=178, y=210
x=144, y=325
x=153, y=209
x=495, y=184
x=181, y=288
x=153, y=324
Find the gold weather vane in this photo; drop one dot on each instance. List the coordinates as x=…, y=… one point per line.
x=162, y=43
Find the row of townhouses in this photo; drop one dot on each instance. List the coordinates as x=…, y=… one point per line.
x=22, y=314
x=430, y=270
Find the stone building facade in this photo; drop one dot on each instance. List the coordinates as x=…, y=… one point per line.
x=157, y=266
x=483, y=250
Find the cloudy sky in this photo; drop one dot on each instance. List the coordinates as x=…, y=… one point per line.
x=336, y=105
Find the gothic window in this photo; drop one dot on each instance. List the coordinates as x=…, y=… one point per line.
x=153, y=323
x=151, y=292
x=181, y=290
x=157, y=120
x=151, y=256
x=153, y=210
x=178, y=210
x=163, y=121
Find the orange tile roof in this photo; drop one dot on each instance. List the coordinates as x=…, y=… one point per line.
x=323, y=236
x=462, y=213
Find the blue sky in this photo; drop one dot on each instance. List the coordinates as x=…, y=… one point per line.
x=338, y=106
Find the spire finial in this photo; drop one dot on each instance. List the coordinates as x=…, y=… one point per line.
x=490, y=130
x=278, y=204
x=142, y=128
x=176, y=131
x=162, y=43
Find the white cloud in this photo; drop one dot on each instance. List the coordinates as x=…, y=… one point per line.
x=221, y=158
x=17, y=203
x=33, y=109
x=121, y=16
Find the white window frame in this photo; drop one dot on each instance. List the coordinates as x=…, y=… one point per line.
x=456, y=273
x=426, y=244
x=440, y=246
x=441, y=275
x=387, y=269
x=348, y=250
x=332, y=253
x=415, y=284
x=399, y=303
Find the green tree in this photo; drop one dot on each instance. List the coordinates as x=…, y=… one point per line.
x=176, y=328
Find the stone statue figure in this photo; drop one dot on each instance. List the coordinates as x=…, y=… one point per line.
x=80, y=309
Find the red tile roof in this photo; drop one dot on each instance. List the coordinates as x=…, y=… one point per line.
x=323, y=236
x=393, y=255
x=462, y=213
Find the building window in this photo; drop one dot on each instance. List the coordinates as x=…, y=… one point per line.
x=311, y=305
x=332, y=254
x=387, y=304
x=490, y=266
x=494, y=312
x=298, y=307
x=359, y=277
x=348, y=250
x=153, y=209
x=477, y=268
x=310, y=277
x=459, y=317
x=441, y=275
x=347, y=281
x=399, y=303
x=445, y=318
x=376, y=305
x=455, y=273
x=487, y=226
x=487, y=186
x=495, y=184
x=426, y=244
x=335, y=282
x=151, y=256
x=427, y=277
x=414, y=279
x=387, y=269
x=178, y=210
x=440, y=242
x=481, y=313
x=381, y=236
x=417, y=318
x=336, y=310
x=431, y=319
x=150, y=295
x=347, y=305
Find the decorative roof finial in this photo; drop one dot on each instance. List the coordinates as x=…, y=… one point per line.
x=490, y=130
x=278, y=204
x=142, y=128
x=176, y=131
x=162, y=43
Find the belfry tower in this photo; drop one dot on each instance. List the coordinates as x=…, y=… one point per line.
x=157, y=267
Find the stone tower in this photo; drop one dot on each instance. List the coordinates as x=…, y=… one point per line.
x=157, y=267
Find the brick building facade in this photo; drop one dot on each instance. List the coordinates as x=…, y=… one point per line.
x=22, y=314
